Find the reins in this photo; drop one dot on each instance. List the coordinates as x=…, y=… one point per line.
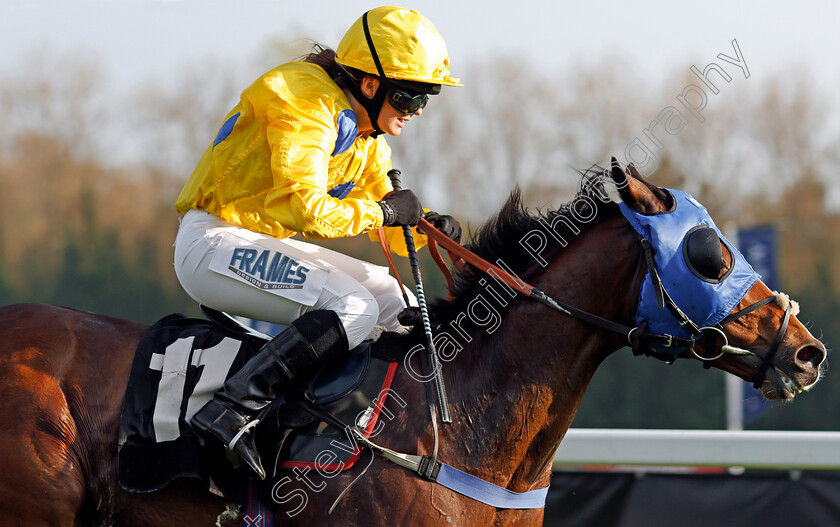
x=459, y=252
x=640, y=340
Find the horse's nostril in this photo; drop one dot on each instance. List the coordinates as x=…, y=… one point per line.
x=811, y=355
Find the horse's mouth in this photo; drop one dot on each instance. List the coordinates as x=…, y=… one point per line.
x=780, y=385
x=792, y=373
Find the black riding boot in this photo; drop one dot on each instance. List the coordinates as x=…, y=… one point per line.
x=291, y=357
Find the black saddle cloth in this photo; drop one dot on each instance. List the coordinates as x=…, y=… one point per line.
x=180, y=362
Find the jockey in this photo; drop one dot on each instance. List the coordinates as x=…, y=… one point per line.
x=303, y=152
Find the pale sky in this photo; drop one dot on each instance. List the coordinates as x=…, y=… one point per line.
x=138, y=40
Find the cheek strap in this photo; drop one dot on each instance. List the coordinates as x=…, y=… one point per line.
x=371, y=105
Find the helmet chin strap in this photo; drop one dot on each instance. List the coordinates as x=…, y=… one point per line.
x=372, y=105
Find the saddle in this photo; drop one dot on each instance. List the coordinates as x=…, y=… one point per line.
x=180, y=362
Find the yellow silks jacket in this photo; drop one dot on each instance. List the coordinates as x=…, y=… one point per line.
x=286, y=159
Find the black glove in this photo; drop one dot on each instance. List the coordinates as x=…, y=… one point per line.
x=445, y=224
x=401, y=208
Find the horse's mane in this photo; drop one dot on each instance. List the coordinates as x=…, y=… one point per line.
x=500, y=238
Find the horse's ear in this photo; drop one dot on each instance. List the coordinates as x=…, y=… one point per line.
x=637, y=193
x=618, y=175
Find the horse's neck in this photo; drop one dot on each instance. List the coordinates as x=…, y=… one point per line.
x=517, y=389
x=509, y=416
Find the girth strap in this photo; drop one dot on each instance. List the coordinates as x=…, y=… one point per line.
x=459, y=481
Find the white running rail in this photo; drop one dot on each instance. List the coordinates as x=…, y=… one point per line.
x=710, y=448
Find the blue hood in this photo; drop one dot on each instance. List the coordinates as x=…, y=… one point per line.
x=705, y=302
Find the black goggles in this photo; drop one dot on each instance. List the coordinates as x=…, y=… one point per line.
x=404, y=101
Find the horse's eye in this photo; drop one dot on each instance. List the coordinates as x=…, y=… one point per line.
x=702, y=252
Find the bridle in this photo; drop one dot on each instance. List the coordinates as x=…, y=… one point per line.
x=665, y=300
x=640, y=340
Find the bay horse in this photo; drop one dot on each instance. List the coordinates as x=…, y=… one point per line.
x=516, y=372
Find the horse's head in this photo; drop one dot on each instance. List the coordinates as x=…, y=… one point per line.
x=702, y=289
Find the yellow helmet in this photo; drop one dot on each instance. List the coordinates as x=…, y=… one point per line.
x=404, y=42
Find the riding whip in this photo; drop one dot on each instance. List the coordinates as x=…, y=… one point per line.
x=431, y=354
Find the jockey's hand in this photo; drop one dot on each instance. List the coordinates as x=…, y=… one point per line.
x=445, y=224
x=401, y=208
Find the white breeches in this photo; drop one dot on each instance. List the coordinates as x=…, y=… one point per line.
x=244, y=273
